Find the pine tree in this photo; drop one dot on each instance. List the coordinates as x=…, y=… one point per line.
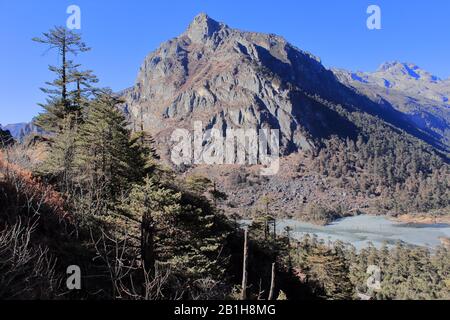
x=59, y=163
x=199, y=184
x=139, y=211
x=144, y=155
x=104, y=157
x=84, y=89
x=326, y=268
x=59, y=103
x=68, y=94
x=186, y=234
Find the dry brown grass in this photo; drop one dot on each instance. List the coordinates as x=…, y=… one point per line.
x=31, y=189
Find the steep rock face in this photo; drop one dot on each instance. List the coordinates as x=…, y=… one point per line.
x=227, y=78
x=420, y=96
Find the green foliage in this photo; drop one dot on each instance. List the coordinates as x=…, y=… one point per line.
x=321, y=214
x=377, y=160
x=62, y=99
x=402, y=175
x=104, y=158
x=145, y=154
x=408, y=273
x=326, y=268
x=198, y=183
x=337, y=271
x=83, y=82
x=68, y=94
x=187, y=234
x=59, y=164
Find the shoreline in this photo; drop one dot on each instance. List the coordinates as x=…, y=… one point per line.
x=421, y=219
x=404, y=218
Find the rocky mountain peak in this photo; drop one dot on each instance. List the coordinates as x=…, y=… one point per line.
x=394, y=65
x=406, y=70
x=419, y=95
x=203, y=27
x=230, y=79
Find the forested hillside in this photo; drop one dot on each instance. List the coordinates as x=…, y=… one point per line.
x=92, y=191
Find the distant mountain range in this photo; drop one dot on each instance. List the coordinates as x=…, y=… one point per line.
x=420, y=96
x=21, y=130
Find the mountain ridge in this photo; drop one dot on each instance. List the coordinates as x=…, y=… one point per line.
x=420, y=96
x=232, y=78
x=20, y=130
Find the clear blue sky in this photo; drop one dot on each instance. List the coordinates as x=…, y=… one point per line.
x=122, y=33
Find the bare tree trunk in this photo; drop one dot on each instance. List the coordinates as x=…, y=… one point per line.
x=245, y=265
x=147, y=244
x=274, y=229
x=272, y=282
x=64, y=73
x=266, y=228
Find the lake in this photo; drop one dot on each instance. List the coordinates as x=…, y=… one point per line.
x=361, y=230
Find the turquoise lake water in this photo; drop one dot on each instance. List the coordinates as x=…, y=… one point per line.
x=361, y=230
